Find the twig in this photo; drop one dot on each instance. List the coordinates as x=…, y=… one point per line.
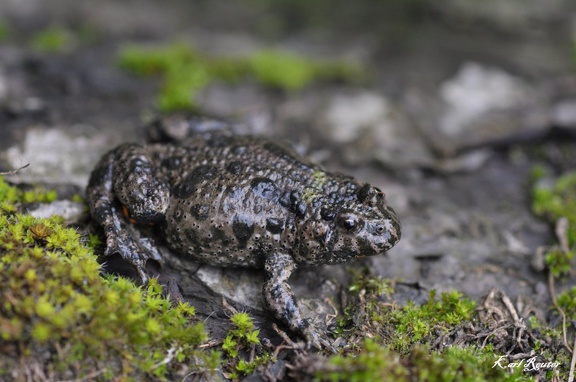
x=572, y=364
x=283, y=335
x=14, y=172
x=226, y=305
x=560, y=310
x=211, y=344
x=169, y=357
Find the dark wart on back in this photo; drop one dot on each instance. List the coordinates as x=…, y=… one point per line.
x=237, y=201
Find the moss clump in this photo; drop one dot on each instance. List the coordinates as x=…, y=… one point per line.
x=558, y=261
x=555, y=200
x=293, y=72
x=185, y=72
x=11, y=197
x=378, y=363
x=401, y=327
x=414, y=323
x=567, y=301
x=372, y=363
x=54, y=39
x=445, y=339
x=239, y=347
x=60, y=318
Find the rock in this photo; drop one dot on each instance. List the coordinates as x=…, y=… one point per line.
x=369, y=126
x=564, y=114
x=349, y=116
x=244, y=287
x=482, y=105
x=55, y=156
x=244, y=100
x=69, y=210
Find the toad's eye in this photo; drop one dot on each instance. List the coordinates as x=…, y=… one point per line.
x=350, y=223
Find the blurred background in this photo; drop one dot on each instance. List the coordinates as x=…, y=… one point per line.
x=435, y=67
x=447, y=106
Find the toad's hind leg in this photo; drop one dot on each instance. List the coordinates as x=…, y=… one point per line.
x=107, y=181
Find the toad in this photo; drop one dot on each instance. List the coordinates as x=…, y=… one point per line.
x=238, y=201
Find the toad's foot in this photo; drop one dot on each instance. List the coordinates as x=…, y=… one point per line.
x=136, y=252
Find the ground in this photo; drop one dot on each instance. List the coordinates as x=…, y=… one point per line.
x=451, y=111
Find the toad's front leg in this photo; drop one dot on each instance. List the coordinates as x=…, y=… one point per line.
x=125, y=180
x=279, y=298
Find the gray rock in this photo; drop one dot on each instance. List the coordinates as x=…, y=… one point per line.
x=370, y=126
x=482, y=105
x=69, y=210
x=564, y=114
x=56, y=156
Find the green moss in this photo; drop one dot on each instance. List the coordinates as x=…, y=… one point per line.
x=67, y=320
x=559, y=262
x=567, y=302
x=372, y=363
x=10, y=195
x=443, y=339
x=185, y=72
x=378, y=363
x=292, y=72
x=557, y=200
x=54, y=39
x=401, y=327
x=239, y=346
x=229, y=70
x=414, y=324
x=462, y=364
x=282, y=70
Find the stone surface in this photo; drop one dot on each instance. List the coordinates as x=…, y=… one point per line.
x=483, y=105
x=55, y=156
x=564, y=114
x=369, y=126
x=72, y=212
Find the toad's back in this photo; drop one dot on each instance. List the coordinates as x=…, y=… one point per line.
x=236, y=198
